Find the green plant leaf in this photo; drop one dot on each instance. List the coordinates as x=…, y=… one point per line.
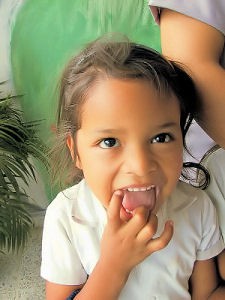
x=18, y=144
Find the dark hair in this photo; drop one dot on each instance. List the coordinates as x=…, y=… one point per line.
x=122, y=59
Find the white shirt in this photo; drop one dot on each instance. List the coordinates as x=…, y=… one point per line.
x=73, y=228
x=215, y=164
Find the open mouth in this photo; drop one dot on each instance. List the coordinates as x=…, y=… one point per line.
x=135, y=197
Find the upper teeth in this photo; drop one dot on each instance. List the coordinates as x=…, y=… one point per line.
x=142, y=189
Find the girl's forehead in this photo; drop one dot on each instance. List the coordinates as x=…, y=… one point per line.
x=112, y=88
x=106, y=89
x=116, y=100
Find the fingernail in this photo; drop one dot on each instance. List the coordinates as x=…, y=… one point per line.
x=171, y=223
x=118, y=193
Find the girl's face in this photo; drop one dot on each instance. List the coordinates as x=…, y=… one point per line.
x=130, y=139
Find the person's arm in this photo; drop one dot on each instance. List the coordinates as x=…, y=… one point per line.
x=219, y=293
x=204, y=280
x=199, y=46
x=221, y=264
x=56, y=291
x=123, y=246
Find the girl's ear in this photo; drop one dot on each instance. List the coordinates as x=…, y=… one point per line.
x=78, y=163
x=71, y=145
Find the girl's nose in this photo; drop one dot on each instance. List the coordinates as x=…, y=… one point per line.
x=140, y=161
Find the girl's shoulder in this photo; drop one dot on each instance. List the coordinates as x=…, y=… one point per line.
x=186, y=196
x=76, y=204
x=64, y=201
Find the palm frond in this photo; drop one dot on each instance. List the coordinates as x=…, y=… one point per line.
x=19, y=143
x=15, y=221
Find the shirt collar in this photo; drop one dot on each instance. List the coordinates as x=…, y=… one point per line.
x=86, y=208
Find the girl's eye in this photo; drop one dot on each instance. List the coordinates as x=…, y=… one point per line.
x=162, y=138
x=109, y=143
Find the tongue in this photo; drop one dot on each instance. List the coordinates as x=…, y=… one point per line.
x=132, y=200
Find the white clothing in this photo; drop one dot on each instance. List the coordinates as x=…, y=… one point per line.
x=73, y=228
x=215, y=164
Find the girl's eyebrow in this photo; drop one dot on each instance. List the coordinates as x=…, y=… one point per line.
x=116, y=130
x=108, y=130
x=169, y=125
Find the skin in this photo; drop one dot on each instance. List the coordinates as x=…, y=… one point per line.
x=199, y=46
x=117, y=126
x=134, y=135
x=221, y=263
x=218, y=294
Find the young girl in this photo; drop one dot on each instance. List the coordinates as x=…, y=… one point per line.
x=130, y=229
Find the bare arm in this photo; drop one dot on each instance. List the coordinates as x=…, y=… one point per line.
x=204, y=279
x=199, y=46
x=124, y=245
x=219, y=293
x=59, y=291
x=221, y=264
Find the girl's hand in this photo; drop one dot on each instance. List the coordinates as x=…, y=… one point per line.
x=126, y=244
